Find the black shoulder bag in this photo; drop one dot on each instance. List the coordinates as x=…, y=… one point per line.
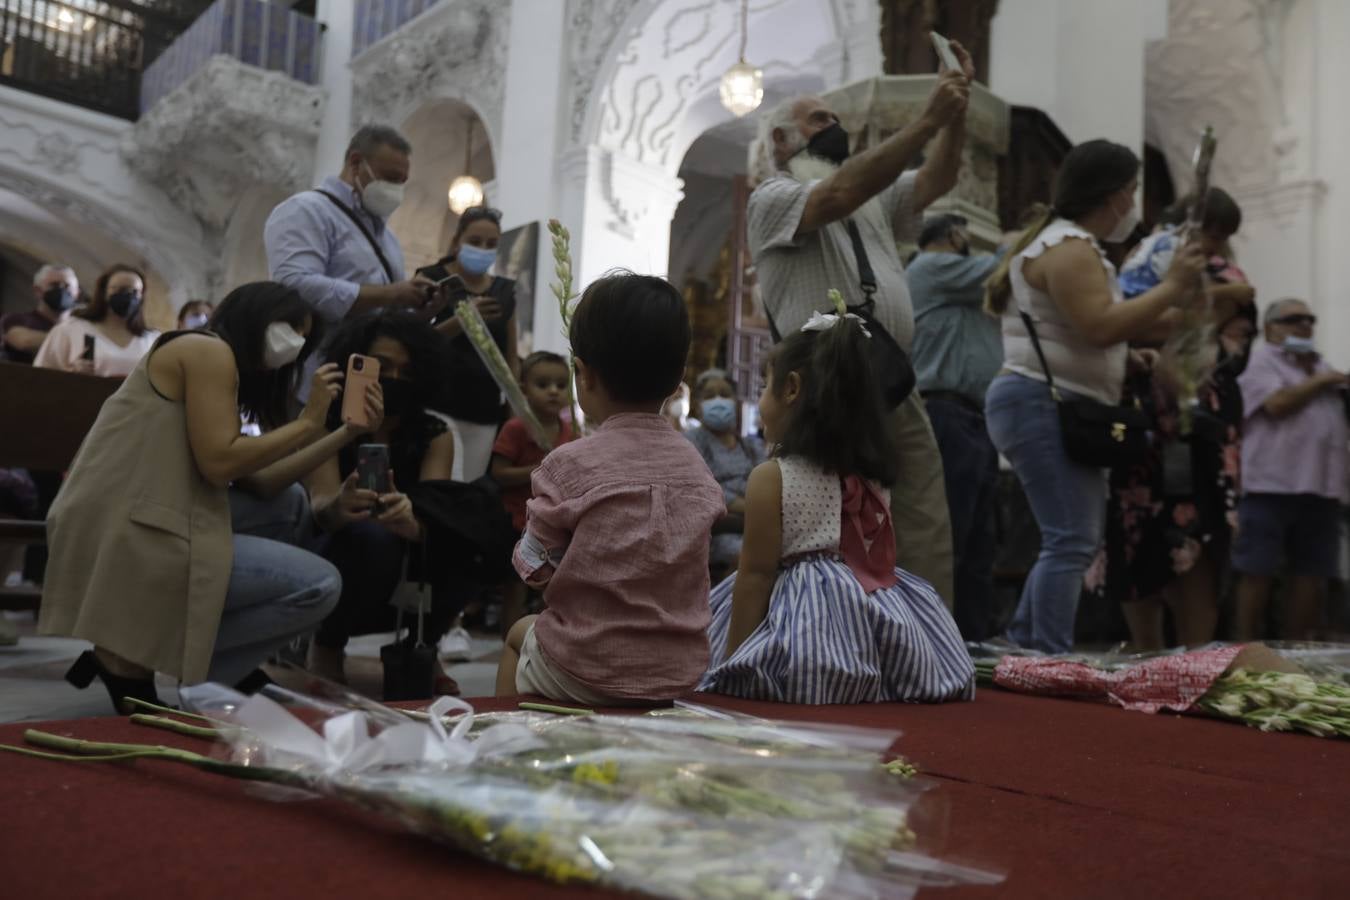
x=895, y=373
x=1095, y=434
x=361, y=226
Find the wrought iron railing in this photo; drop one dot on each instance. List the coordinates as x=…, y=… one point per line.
x=253, y=31
x=88, y=52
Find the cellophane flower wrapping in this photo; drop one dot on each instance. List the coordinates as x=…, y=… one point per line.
x=684, y=803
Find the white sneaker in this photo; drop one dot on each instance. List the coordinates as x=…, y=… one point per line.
x=456, y=646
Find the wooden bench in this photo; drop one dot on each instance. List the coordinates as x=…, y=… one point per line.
x=44, y=415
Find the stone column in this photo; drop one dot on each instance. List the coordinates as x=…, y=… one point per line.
x=336, y=77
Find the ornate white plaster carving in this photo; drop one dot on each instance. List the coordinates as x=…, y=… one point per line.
x=456, y=49
x=1216, y=67
x=229, y=126
x=633, y=193
x=593, y=27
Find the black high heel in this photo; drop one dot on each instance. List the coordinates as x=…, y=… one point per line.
x=82, y=674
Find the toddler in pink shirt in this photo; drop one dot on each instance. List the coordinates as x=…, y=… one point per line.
x=617, y=532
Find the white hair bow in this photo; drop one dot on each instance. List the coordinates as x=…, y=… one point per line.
x=820, y=321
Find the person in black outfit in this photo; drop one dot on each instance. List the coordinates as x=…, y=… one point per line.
x=476, y=403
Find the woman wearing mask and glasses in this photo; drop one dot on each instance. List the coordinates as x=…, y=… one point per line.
x=144, y=563
x=730, y=457
x=108, y=337
x=475, y=401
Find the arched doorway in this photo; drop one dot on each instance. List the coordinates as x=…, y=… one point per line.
x=440, y=131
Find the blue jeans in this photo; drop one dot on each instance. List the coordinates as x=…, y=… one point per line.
x=1067, y=498
x=278, y=591
x=970, y=471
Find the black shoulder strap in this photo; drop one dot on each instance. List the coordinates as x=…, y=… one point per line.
x=867, y=279
x=374, y=244
x=1036, y=343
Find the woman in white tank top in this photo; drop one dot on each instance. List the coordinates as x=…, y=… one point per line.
x=1059, y=275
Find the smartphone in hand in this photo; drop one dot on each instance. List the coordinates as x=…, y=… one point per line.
x=372, y=468
x=361, y=371
x=88, y=353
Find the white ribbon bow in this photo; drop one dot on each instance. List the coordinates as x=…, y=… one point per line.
x=820, y=321
x=346, y=744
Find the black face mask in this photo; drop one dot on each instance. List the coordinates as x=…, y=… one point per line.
x=400, y=397
x=830, y=143
x=125, y=304
x=58, y=298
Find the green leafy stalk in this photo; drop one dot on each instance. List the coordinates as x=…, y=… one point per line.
x=481, y=339
x=562, y=290
x=559, y=710
x=167, y=724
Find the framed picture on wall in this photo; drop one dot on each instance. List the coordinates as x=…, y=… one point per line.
x=517, y=258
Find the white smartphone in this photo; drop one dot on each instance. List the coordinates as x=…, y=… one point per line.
x=946, y=57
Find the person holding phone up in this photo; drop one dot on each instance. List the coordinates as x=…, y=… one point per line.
x=368, y=532
x=475, y=405
x=144, y=562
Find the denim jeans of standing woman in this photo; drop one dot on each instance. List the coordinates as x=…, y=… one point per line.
x=1067, y=498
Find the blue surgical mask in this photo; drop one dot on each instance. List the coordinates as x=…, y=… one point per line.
x=475, y=260
x=719, y=413
x=1299, y=346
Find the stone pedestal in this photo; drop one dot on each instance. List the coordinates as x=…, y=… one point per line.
x=874, y=109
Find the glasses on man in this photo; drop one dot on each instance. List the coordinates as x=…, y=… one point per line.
x=1297, y=319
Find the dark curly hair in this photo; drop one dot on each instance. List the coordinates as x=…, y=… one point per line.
x=428, y=350
x=839, y=421
x=241, y=320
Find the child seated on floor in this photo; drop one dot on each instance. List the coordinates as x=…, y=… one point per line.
x=547, y=384
x=617, y=532
x=818, y=612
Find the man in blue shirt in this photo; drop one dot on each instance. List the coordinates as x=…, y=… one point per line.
x=333, y=244
x=957, y=351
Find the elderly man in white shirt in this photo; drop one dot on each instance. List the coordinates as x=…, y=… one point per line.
x=811, y=194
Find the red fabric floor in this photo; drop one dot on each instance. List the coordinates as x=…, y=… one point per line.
x=1069, y=799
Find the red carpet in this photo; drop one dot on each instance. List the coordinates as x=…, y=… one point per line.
x=1069, y=799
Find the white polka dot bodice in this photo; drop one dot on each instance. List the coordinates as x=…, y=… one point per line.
x=812, y=503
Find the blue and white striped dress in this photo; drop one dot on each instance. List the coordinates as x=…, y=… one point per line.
x=825, y=639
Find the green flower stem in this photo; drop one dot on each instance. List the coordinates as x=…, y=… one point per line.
x=138, y=703
x=176, y=727
x=560, y=710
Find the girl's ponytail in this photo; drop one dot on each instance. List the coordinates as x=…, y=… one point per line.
x=998, y=289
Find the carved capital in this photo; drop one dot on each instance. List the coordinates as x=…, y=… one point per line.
x=228, y=127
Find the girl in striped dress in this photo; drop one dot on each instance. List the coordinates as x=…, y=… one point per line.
x=818, y=612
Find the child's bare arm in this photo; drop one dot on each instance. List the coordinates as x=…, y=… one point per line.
x=507, y=474
x=761, y=550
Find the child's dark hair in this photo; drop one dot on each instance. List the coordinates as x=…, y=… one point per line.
x=1223, y=216
x=539, y=358
x=633, y=331
x=242, y=320
x=839, y=419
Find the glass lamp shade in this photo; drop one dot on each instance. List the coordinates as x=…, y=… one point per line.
x=742, y=88
x=465, y=191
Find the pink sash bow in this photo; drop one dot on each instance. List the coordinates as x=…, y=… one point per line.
x=866, y=536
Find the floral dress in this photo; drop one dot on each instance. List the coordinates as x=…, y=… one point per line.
x=1158, y=525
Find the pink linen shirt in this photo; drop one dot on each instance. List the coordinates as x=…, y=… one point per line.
x=1304, y=452
x=618, y=529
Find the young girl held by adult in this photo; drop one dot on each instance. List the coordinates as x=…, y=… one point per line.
x=424, y=517
x=730, y=456
x=143, y=561
x=818, y=611
x=476, y=403
x=617, y=532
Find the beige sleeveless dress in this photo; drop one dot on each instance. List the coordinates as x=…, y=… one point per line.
x=140, y=543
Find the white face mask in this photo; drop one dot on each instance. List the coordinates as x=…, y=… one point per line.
x=1299, y=346
x=281, y=345
x=380, y=198
x=1125, y=227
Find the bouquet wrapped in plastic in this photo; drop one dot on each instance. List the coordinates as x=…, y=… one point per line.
x=684, y=803
x=471, y=320
x=1276, y=687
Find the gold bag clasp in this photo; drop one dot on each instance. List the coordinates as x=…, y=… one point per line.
x=1118, y=432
